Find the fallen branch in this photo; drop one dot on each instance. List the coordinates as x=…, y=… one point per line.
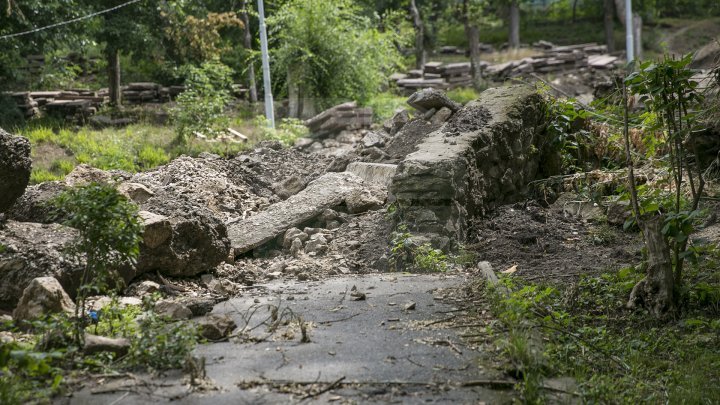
x=324, y=390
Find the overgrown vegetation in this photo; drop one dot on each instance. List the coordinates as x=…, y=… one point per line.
x=616, y=356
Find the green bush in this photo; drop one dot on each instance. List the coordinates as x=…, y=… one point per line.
x=200, y=108
x=286, y=132
x=151, y=156
x=109, y=238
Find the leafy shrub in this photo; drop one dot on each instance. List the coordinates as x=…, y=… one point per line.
x=110, y=235
x=200, y=108
x=151, y=156
x=10, y=115
x=463, y=95
x=385, y=104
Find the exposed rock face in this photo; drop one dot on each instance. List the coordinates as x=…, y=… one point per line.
x=43, y=296
x=483, y=157
x=15, y=167
x=33, y=206
x=398, y=120
x=216, y=327
x=34, y=250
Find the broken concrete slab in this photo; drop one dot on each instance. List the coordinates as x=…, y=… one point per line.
x=428, y=99
x=374, y=173
x=328, y=191
x=484, y=157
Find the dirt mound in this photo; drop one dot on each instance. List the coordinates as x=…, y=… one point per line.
x=411, y=135
x=545, y=245
x=469, y=119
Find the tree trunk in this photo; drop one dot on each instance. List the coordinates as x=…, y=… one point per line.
x=419, y=36
x=514, y=38
x=574, y=13
x=609, y=25
x=620, y=10
x=655, y=291
x=113, y=69
x=473, y=36
x=247, y=42
x=637, y=36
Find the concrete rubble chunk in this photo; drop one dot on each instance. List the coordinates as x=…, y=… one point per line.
x=397, y=122
x=216, y=327
x=173, y=310
x=157, y=229
x=428, y=99
x=292, y=234
x=328, y=191
x=372, y=139
x=483, y=159
x=15, y=167
x=136, y=192
x=374, y=173
x=98, y=344
x=441, y=116
x=43, y=296
x=85, y=174
x=289, y=187
x=368, y=199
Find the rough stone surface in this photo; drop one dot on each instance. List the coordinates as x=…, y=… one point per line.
x=326, y=192
x=289, y=187
x=156, y=229
x=372, y=139
x=34, y=250
x=85, y=174
x=135, y=192
x=397, y=122
x=43, y=296
x=368, y=199
x=216, y=327
x=33, y=205
x=429, y=99
x=292, y=234
x=441, y=116
x=173, y=310
x=374, y=173
x=485, y=159
x=15, y=167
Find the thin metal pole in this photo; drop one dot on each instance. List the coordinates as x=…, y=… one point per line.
x=629, y=40
x=269, y=109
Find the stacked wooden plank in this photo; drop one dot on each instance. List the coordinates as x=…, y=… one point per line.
x=26, y=104
x=436, y=75
x=556, y=59
x=346, y=116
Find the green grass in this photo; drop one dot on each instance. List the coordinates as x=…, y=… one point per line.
x=615, y=355
x=385, y=104
x=134, y=148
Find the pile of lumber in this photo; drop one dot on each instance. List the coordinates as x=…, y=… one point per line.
x=436, y=75
x=346, y=116
x=556, y=59
x=147, y=92
x=27, y=106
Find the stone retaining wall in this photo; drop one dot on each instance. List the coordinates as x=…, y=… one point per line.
x=482, y=158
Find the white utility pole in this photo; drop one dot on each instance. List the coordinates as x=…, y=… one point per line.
x=629, y=40
x=269, y=108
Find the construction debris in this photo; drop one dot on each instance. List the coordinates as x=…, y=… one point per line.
x=346, y=116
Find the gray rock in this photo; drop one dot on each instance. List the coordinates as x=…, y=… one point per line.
x=216, y=327
x=316, y=245
x=368, y=199
x=428, y=99
x=85, y=174
x=397, y=122
x=292, y=234
x=15, y=167
x=441, y=116
x=32, y=250
x=156, y=229
x=296, y=247
x=34, y=205
x=198, y=306
x=289, y=187
x=172, y=310
x=43, y=296
x=136, y=192
x=143, y=288
x=374, y=154
x=99, y=344
x=373, y=139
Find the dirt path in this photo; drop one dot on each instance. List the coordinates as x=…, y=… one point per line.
x=374, y=338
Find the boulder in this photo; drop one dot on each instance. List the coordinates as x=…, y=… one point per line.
x=429, y=99
x=182, y=239
x=34, y=205
x=15, y=167
x=28, y=251
x=373, y=139
x=43, y=296
x=441, y=116
x=292, y=234
x=136, y=192
x=85, y=174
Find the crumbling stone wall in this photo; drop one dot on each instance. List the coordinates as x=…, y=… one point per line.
x=482, y=158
